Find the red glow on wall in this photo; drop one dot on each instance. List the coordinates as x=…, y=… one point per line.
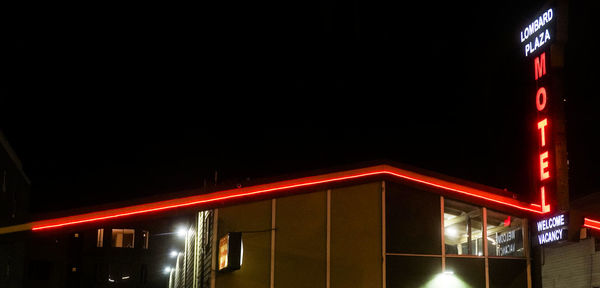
x=592, y=224
x=283, y=186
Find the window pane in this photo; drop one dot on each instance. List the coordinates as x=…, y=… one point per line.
x=504, y=235
x=466, y=272
x=128, y=237
x=412, y=272
x=100, y=238
x=413, y=222
x=508, y=273
x=117, y=238
x=462, y=228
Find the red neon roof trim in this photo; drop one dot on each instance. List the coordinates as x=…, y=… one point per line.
x=282, y=186
x=593, y=224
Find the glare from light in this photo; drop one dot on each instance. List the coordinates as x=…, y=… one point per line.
x=168, y=269
x=174, y=254
x=447, y=279
x=241, y=252
x=448, y=216
x=181, y=232
x=451, y=232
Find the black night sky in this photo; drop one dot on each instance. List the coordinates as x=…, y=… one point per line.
x=106, y=102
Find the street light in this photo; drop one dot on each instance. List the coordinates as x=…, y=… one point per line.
x=181, y=232
x=174, y=254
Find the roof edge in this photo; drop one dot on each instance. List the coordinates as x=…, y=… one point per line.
x=276, y=188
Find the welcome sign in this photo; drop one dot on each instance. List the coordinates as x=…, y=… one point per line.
x=552, y=229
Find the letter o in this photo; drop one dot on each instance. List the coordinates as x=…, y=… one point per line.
x=540, y=104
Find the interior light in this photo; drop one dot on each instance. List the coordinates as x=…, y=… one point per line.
x=448, y=216
x=451, y=232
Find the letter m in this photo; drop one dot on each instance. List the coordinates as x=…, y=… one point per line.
x=540, y=66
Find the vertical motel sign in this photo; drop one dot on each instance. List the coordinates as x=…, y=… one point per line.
x=536, y=38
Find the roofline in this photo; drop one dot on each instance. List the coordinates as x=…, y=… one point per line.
x=275, y=189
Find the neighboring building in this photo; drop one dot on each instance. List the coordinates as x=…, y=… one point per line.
x=373, y=226
x=14, y=210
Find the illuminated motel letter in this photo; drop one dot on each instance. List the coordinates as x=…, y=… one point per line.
x=544, y=173
x=540, y=66
x=541, y=126
x=540, y=99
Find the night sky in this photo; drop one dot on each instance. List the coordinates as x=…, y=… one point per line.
x=114, y=101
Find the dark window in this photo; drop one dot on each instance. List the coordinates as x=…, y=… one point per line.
x=40, y=270
x=413, y=222
x=508, y=273
x=145, y=239
x=465, y=272
x=101, y=272
x=144, y=274
x=597, y=243
x=411, y=272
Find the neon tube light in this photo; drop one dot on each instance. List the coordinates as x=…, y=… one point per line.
x=280, y=187
x=593, y=224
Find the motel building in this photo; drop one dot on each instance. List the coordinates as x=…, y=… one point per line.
x=381, y=225
x=375, y=225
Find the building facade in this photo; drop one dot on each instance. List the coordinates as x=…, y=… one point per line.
x=373, y=226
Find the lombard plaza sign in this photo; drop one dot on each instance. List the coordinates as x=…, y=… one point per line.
x=530, y=36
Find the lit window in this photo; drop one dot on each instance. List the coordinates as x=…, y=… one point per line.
x=100, y=238
x=123, y=238
x=462, y=228
x=504, y=234
x=145, y=236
